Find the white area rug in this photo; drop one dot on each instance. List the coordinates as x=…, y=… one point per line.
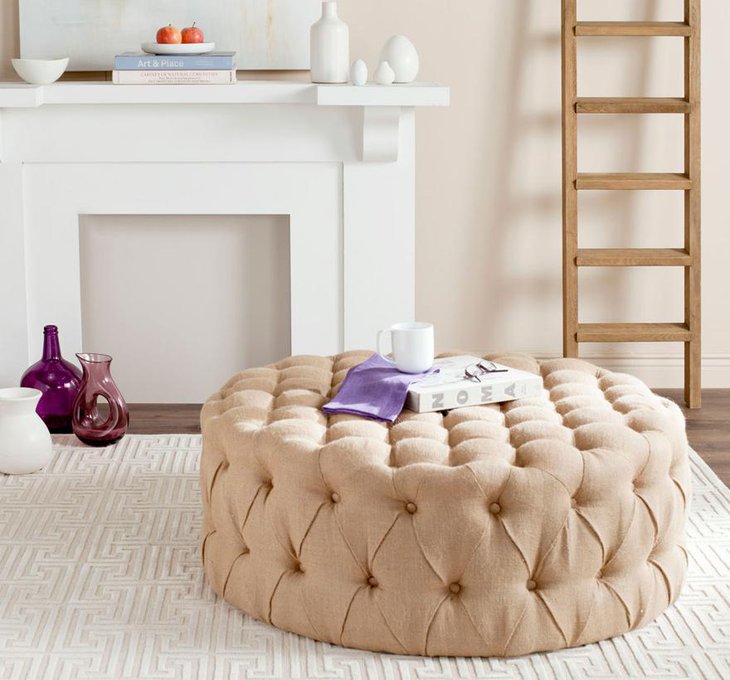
x=100, y=577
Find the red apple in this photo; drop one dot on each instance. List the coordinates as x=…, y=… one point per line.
x=192, y=34
x=169, y=35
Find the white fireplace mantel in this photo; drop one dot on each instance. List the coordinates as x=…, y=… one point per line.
x=381, y=104
x=338, y=160
x=243, y=92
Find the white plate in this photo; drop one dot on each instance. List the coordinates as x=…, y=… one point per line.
x=180, y=48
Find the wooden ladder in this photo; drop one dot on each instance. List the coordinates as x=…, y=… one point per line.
x=688, y=257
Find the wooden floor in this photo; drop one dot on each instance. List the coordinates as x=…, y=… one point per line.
x=708, y=428
x=164, y=418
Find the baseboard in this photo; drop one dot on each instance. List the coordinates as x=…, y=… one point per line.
x=667, y=371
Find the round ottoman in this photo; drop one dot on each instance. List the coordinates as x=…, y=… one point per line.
x=499, y=530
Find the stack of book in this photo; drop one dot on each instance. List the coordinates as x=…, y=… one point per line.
x=139, y=68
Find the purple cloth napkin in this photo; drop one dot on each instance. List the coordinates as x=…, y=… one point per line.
x=374, y=389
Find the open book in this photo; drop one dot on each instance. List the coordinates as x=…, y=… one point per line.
x=449, y=388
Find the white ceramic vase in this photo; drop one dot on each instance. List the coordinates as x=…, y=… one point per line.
x=384, y=75
x=330, y=47
x=402, y=56
x=25, y=442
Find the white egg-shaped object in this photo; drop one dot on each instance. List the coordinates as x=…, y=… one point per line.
x=402, y=56
x=359, y=72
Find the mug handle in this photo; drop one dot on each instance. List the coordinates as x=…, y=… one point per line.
x=379, y=343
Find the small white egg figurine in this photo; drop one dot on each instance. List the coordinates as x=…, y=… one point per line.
x=359, y=72
x=402, y=56
x=384, y=75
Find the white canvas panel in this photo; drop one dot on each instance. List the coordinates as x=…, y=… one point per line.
x=267, y=34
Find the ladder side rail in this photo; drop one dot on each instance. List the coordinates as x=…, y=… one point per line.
x=692, y=207
x=570, y=174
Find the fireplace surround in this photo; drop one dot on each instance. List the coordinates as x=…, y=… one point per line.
x=339, y=161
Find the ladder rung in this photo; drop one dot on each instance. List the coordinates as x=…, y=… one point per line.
x=632, y=105
x=633, y=257
x=633, y=181
x=633, y=28
x=633, y=332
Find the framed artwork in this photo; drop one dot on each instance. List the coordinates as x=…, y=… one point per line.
x=266, y=34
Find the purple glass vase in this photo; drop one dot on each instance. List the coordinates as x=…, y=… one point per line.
x=90, y=424
x=58, y=380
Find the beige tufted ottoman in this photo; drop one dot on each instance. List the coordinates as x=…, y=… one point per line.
x=543, y=523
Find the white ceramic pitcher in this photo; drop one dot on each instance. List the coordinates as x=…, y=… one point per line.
x=25, y=442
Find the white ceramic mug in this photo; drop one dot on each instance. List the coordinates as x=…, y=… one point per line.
x=412, y=346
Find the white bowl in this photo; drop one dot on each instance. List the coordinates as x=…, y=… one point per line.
x=40, y=71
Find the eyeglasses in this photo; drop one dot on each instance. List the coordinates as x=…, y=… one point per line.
x=484, y=367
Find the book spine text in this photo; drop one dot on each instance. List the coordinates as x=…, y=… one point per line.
x=173, y=77
x=174, y=63
x=472, y=396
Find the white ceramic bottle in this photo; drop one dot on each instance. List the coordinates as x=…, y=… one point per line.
x=329, y=47
x=25, y=443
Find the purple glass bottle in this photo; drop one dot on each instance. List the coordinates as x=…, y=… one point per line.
x=89, y=425
x=59, y=381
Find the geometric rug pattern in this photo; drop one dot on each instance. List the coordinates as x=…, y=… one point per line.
x=101, y=579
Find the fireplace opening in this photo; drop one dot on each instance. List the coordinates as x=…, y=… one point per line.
x=183, y=302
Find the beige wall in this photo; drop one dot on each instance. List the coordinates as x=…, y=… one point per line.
x=488, y=271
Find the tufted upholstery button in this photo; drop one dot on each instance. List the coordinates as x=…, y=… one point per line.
x=299, y=567
x=573, y=502
x=411, y=507
x=495, y=508
x=335, y=497
x=455, y=588
x=531, y=585
x=373, y=582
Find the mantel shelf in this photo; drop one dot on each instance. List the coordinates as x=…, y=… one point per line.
x=20, y=95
